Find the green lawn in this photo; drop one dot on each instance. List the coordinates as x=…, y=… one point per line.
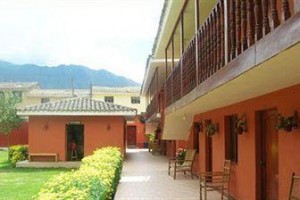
x=18, y=183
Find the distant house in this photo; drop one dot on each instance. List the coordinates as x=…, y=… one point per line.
x=21, y=90
x=37, y=96
x=126, y=96
x=54, y=127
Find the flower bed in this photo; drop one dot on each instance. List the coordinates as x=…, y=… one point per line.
x=97, y=178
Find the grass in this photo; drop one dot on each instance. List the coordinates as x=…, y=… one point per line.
x=22, y=183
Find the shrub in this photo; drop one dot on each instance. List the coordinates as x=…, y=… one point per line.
x=17, y=153
x=97, y=178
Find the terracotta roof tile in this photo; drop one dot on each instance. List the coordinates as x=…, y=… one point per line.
x=82, y=104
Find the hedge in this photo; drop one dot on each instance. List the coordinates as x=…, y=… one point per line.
x=17, y=153
x=97, y=178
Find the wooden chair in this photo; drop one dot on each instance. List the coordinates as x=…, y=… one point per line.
x=215, y=181
x=295, y=188
x=182, y=165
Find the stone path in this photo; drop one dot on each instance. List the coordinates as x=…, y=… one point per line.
x=145, y=177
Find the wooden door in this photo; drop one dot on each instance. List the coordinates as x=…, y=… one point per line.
x=131, y=135
x=267, y=163
x=208, y=149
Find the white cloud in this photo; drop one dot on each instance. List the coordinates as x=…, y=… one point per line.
x=116, y=35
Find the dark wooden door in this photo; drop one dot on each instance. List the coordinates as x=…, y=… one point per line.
x=208, y=154
x=268, y=156
x=131, y=135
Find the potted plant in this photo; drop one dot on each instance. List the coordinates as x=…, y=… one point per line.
x=211, y=129
x=241, y=124
x=180, y=155
x=287, y=123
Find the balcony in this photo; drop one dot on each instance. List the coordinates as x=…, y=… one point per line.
x=152, y=108
x=225, y=43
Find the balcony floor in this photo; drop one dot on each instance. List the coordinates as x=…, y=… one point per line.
x=145, y=177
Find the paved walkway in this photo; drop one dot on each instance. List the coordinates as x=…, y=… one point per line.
x=145, y=177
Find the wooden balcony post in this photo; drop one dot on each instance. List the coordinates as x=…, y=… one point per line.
x=214, y=42
x=172, y=45
x=223, y=32
x=238, y=27
x=226, y=31
x=196, y=41
x=166, y=62
x=208, y=48
x=244, y=24
x=258, y=21
x=200, y=54
x=286, y=9
x=251, y=22
x=274, y=14
x=219, y=36
x=266, y=23
x=182, y=32
x=232, y=30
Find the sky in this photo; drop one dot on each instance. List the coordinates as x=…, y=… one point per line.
x=116, y=35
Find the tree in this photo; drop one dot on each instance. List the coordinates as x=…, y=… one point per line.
x=9, y=120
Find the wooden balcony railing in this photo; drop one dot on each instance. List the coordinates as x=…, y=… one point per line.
x=189, y=68
x=152, y=108
x=251, y=20
x=247, y=22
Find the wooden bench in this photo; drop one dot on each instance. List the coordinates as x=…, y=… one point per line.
x=42, y=154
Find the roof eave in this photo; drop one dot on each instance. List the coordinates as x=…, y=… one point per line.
x=41, y=113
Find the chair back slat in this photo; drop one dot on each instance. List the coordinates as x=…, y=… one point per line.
x=190, y=154
x=226, y=171
x=295, y=188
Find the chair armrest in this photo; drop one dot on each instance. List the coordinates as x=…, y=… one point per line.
x=210, y=174
x=188, y=160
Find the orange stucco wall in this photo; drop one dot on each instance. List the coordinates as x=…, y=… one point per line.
x=243, y=181
x=17, y=136
x=48, y=134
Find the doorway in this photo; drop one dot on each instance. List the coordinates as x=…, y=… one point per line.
x=208, y=150
x=131, y=136
x=267, y=155
x=75, y=142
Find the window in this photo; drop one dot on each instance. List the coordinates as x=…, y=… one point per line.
x=231, y=139
x=45, y=100
x=135, y=100
x=109, y=99
x=18, y=94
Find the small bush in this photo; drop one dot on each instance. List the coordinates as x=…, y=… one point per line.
x=97, y=178
x=17, y=153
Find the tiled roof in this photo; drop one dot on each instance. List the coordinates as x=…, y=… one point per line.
x=76, y=106
x=65, y=93
x=116, y=90
x=18, y=85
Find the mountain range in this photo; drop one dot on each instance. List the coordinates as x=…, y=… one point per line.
x=62, y=76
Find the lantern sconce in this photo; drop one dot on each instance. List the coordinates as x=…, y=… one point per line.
x=108, y=127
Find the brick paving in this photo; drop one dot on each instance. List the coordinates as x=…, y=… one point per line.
x=145, y=177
